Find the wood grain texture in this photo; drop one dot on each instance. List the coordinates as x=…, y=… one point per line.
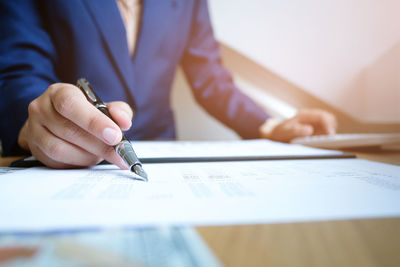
x=4, y=162
x=374, y=242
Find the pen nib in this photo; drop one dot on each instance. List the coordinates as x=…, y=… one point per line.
x=140, y=172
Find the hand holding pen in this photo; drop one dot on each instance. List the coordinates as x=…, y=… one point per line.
x=64, y=130
x=124, y=148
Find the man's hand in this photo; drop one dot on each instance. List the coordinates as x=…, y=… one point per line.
x=306, y=122
x=64, y=130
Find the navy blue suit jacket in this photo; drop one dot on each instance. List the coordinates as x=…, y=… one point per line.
x=43, y=42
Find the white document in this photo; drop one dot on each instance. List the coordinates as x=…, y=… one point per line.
x=225, y=149
x=212, y=193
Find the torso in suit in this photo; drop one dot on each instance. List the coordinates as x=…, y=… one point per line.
x=43, y=42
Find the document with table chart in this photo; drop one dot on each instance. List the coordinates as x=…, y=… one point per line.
x=206, y=193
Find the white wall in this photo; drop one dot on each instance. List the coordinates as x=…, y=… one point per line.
x=346, y=52
x=191, y=121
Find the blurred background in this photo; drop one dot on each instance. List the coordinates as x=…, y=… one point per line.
x=343, y=56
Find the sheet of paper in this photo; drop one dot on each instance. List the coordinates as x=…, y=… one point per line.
x=213, y=193
x=239, y=148
x=162, y=246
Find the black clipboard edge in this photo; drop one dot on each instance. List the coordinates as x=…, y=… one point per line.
x=22, y=163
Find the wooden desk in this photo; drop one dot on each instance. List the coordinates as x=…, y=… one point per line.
x=374, y=242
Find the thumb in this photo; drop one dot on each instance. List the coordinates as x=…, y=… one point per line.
x=291, y=129
x=121, y=113
x=304, y=130
x=299, y=130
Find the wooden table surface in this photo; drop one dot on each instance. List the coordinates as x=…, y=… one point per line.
x=369, y=242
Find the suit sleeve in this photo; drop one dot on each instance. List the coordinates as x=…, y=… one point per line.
x=26, y=67
x=212, y=84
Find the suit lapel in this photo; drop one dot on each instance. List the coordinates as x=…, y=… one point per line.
x=106, y=15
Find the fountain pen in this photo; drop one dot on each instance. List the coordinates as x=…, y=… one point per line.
x=124, y=148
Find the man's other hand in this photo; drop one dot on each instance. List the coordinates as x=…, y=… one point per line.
x=307, y=122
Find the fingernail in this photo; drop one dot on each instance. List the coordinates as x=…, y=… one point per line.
x=331, y=131
x=110, y=136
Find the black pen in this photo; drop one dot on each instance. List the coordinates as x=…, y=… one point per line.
x=124, y=148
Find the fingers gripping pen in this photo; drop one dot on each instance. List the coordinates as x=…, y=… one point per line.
x=124, y=148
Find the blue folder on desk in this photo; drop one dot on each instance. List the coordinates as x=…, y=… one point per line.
x=161, y=246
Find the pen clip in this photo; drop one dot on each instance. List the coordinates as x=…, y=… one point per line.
x=88, y=91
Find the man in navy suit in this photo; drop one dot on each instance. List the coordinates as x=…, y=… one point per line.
x=45, y=46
